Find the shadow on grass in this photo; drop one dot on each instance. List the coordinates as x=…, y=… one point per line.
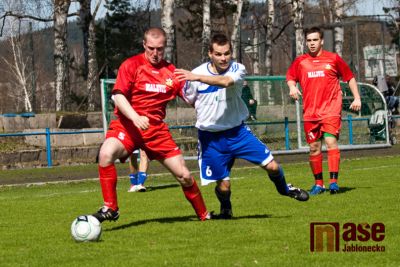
x=158, y=187
x=182, y=219
x=344, y=190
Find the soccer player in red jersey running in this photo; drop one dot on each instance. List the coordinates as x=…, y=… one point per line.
x=145, y=84
x=318, y=73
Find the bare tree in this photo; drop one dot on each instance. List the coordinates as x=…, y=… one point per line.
x=298, y=20
x=18, y=65
x=167, y=23
x=206, y=30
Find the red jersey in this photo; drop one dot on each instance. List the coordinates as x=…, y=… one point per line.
x=148, y=88
x=319, y=80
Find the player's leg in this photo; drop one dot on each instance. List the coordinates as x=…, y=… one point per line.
x=133, y=168
x=315, y=160
x=313, y=135
x=247, y=146
x=111, y=150
x=176, y=165
x=331, y=128
x=333, y=161
x=142, y=173
x=223, y=193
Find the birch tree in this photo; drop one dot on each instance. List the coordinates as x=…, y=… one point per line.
x=268, y=26
x=61, y=54
x=338, y=28
x=206, y=35
x=298, y=20
x=167, y=23
x=235, y=28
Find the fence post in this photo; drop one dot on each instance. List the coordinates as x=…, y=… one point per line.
x=350, y=121
x=48, y=148
x=287, y=139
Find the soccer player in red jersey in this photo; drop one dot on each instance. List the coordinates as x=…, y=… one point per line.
x=318, y=73
x=145, y=84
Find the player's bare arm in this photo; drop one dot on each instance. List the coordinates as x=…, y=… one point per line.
x=218, y=80
x=142, y=122
x=356, y=104
x=294, y=91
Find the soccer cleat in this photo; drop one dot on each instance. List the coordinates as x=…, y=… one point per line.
x=334, y=188
x=137, y=188
x=106, y=213
x=225, y=214
x=317, y=189
x=297, y=193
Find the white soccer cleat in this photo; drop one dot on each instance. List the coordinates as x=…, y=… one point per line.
x=137, y=188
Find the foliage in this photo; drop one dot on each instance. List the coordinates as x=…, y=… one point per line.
x=120, y=34
x=158, y=228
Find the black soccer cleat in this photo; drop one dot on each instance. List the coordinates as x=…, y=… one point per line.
x=297, y=193
x=106, y=213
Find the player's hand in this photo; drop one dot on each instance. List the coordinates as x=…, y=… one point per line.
x=142, y=122
x=294, y=93
x=184, y=75
x=356, y=104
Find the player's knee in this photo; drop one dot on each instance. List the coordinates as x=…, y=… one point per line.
x=185, y=179
x=105, y=158
x=272, y=167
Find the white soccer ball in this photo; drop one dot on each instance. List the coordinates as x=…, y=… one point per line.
x=86, y=228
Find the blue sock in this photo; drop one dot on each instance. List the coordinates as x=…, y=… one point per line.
x=133, y=177
x=142, y=176
x=280, y=183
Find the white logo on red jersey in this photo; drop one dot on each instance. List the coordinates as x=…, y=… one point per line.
x=316, y=74
x=159, y=88
x=169, y=82
x=121, y=136
x=328, y=66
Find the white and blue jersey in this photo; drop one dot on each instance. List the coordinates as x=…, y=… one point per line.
x=222, y=134
x=217, y=108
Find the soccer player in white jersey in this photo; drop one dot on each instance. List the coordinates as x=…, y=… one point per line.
x=214, y=89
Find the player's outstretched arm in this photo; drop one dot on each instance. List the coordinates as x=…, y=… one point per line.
x=218, y=80
x=142, y=122
x=356, y=104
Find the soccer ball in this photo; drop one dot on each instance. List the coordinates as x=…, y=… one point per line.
x=86, y=228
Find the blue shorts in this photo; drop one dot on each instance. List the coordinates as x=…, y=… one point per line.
x=217, y=152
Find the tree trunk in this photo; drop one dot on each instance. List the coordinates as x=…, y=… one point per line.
x=61, y=55
x=206, y=30
x=236, y=24
x=338, y=30
x=298, y=20
x=268, y=36
x=167, y=23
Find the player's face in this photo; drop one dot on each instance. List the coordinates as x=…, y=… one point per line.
x=154, y=49
x=220, y=57
x=314, y=43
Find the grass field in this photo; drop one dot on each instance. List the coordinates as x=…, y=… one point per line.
x=158, y=228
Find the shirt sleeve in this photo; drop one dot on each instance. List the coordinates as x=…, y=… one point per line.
x=344, y=69
x=237, y=72
x=189, y=91
x=291, y=74
x=125, y=78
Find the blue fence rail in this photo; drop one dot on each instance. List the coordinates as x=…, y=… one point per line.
x=286, y=123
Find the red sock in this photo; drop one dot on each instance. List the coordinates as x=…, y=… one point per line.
x=316, y=168
x=193, y=195
x=333, y=164
x=108, y=182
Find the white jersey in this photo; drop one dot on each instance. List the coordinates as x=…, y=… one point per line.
x=217, y=108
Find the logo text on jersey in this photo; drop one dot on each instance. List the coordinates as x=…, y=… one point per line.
x=316, y=74
x=158, y=88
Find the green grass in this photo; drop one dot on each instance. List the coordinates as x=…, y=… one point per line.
x=158, y=228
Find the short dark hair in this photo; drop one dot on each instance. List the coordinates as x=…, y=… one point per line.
x=307, y=31
x=219, y=39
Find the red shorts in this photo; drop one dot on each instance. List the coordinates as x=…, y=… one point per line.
x=315, y=129
x=156, y=141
